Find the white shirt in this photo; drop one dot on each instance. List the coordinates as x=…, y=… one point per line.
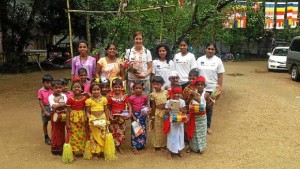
x=140, y=61
x=163, y=69
x=52, y=102
x=183, y=65
x=209, y=68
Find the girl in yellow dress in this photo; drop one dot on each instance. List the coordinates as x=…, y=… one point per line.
x=96, y=109
x=158, y=99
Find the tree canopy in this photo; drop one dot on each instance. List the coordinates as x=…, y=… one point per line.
x=198, y=20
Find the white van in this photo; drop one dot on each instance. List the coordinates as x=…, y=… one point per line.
x=293, y=59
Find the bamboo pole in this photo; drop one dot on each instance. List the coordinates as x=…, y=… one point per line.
x=161, y=26
x=70, y=29
x=87, y=26
x=115, y=12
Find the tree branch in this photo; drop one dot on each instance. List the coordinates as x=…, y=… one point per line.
x=202, y=21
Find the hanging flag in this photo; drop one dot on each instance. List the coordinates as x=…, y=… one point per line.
x=295, y=14
x=280, y=12
x=269, y=15
x=240, y=15
x=289, y=14
x=236, y=16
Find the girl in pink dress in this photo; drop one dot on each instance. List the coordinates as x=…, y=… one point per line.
x=137, y=101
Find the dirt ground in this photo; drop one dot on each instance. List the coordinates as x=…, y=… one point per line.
x=256, y=124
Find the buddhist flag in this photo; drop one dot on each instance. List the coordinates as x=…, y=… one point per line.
x=289, y=13
x=295, y=14
x=236, y=16
x=280, y=12
x=269, y=15
x=240, y=15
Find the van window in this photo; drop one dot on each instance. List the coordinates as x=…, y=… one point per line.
x=295, y=46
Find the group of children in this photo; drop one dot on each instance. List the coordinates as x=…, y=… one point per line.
x=93, y=108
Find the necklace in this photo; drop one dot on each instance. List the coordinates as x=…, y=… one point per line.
x=118, y=99
x=97, y=99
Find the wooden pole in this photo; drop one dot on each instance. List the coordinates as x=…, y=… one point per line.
x=87, y=26
x=115, y=12
x=161, y=26
x=70, y=29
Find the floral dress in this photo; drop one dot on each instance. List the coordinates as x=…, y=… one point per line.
x=138, y=142
x=77, y=123
x=97, y=133
x=118, y=128
x=159, y=139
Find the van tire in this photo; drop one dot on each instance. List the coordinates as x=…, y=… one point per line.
x=295, y=73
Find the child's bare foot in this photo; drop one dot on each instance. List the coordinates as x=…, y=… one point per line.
x=188, y=150
x=95, y=157
x=209, y=131
x=135, y=151
x=119, y=149
x=180, y=154
x=169, y=156
x=163, y=149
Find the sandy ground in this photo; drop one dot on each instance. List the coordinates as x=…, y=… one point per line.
x=256, y=124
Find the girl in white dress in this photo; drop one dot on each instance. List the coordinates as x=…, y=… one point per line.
x=175, y=135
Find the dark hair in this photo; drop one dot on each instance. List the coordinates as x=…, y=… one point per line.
x=194, y=72
x=117, y=82
x=138, y=82
x=168, y=56
x=104, y=83
x=185, y=41
x=158, y=79
x=64, y=81
x=56, y=82
x=93, y=84
x=213, y=44
x=74, y=82
x=176, y=85
x=108, y=46
x=83, y=41
x=137, y=33
x=81, y=70
x=47, y=78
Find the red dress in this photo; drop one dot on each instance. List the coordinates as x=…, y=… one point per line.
x=118, y=127
x=77, y=132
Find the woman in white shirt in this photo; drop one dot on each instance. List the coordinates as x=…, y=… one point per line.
x=184, y=61
x=212, y=68
x=163, y=65
x=141, y=59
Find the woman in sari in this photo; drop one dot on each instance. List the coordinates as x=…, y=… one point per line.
x=109, y=66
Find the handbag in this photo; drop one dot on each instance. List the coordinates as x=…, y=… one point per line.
x=137, y=128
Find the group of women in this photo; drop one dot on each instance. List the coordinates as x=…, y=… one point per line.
x=110, y=66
